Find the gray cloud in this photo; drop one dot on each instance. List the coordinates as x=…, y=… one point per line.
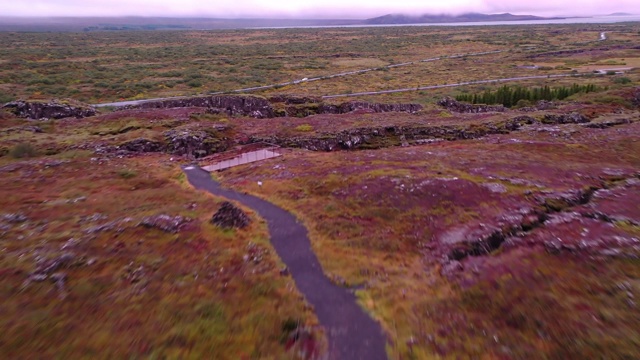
x=308, y=8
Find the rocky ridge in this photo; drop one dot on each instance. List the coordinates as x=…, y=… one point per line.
x=279, y=106
x=190, y=141
x=460, y=107
x=53, y=109
x=380, y=137
x=555, y=214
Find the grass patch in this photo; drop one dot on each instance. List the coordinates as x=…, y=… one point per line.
x=23, y=150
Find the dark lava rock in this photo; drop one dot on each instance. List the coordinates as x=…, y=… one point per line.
x=166, y=223
x=294, y=100
x=198, y=143
x=230, y=216
x=258, y=107
x=636, y=97
x=372, y=107
x=460, y=107
x=573, y=118
x=232, y=105
x=524, y=119
x=381, y=137
x=48, y=110
x=608, y=124
x=143, y=146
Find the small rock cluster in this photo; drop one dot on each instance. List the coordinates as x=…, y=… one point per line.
x=230, y=216
x=48, y=270
x=166, y=223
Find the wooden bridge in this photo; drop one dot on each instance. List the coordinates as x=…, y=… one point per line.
x=241, y=157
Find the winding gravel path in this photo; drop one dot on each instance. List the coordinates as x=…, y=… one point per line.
x=352, y=334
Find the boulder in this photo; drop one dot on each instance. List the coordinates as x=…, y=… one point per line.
x=53, y=109
x=230, y=216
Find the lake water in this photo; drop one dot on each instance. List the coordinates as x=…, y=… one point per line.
x=580, y=20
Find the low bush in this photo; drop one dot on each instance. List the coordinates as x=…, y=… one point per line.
x=23, y=150
x=304, y=128
x=127, y=173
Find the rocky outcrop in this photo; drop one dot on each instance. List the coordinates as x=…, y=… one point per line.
x=294, y=100
x=183, y=141
x=230, y=216
x=258, y=107
x=380, y=137
x=460, y=107
x=608, y=124
x=308, y=109
x=232, y=105
x=166, y=223
x=49, y=110
x=196, y=143
x=372, y=107
x=573, y=118
x=142, y=145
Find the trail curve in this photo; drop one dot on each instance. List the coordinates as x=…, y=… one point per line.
x=351, y=333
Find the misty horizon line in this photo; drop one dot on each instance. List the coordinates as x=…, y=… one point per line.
x=292, y=17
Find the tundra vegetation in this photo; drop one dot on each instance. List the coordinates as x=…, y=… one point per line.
x=498, y=233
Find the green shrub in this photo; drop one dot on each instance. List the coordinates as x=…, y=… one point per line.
x=622, y=80
x=127, y=173
x=23, y=150
x=304, y=128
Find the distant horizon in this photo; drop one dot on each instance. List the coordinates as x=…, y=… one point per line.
x=618, y=13
x=310, y=9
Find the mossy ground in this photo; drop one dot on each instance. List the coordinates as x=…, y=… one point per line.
x=133, y=291
x=375, y=216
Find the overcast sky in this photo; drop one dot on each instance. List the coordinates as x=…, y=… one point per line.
x=345, y=9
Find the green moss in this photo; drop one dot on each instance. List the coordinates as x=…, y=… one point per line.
x=304, y=128
x=127, y=173
x=556, y=205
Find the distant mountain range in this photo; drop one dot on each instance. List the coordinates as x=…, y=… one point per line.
x=620, y=14
x=443, y=18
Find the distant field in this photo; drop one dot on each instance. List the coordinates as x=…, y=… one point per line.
x=106, y=66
